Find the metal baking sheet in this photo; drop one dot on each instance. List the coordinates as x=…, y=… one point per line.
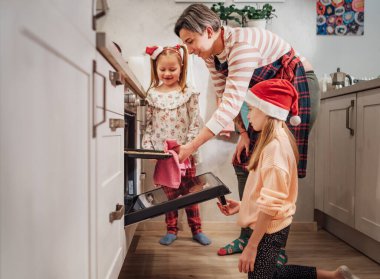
x=146, y=154
x=153, y=203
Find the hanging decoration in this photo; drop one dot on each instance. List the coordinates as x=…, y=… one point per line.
x=340, y=17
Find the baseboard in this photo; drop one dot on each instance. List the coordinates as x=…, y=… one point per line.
x=356, y=239
x=220, y=226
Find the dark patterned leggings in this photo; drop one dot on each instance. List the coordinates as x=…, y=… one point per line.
x=267, y=254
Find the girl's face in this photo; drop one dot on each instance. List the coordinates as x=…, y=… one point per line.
x=257, y=118
x=169, y=69
x=198, y=44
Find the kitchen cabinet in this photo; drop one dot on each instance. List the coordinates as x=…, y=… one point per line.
x=347, y=158
x=45, y=172
x=367, y=192
x=335, y=157
x=109, y=159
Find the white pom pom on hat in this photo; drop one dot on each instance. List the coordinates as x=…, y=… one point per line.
x=276, y=98
x=295, y=120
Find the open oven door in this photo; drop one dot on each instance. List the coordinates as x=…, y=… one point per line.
x=154, y=203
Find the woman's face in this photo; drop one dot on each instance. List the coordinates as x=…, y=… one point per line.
x=198, y=44
x=257, y=118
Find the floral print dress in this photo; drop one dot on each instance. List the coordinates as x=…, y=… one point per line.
x=171, y=115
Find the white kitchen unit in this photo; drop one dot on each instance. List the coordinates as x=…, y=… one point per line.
x=109, y=179
x=62, y=180
x=347, y=170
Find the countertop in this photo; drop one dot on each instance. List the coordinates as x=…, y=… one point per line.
x=358, y=87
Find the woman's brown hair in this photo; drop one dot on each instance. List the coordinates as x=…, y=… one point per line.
x=266, y=136
x=196, y=18
x=182, y=60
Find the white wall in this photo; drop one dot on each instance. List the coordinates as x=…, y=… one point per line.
x=136, y=24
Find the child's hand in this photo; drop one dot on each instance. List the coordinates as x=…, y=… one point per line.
x=247, y=259
x=232, y=207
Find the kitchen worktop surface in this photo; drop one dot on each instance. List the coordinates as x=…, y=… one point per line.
x=358, y=87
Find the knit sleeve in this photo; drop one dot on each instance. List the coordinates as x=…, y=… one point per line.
x=193, y=112
x=274, y=191
x=242, y=61
x=147, y=137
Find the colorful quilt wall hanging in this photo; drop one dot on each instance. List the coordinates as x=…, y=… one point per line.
x=340, y=17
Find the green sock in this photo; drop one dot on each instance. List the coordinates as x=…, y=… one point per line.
x=282, y=258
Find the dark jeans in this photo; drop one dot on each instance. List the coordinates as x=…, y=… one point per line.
x=242, y=176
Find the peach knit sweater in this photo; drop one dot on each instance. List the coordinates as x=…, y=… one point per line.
x=272, y=188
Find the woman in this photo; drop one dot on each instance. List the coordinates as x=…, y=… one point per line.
x=237, y=59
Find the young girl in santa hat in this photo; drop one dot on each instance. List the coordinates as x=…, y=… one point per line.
x=270, y=194
x=173, y=113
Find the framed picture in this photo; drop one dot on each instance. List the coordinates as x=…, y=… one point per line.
x=257, y=1
x=198, y=1
x=340, y=17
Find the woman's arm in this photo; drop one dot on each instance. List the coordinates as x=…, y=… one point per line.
x=184, y=151
x=248, y=257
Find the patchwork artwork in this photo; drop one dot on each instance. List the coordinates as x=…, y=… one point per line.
x=340, y=17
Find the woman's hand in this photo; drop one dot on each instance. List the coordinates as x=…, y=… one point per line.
x=232, y=207
x=247, y=259
x=184, y=151
x=242, y=144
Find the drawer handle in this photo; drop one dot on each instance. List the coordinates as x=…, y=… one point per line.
x=118, y=213
x=348, y=126
x=116, y=123
x=96, y=125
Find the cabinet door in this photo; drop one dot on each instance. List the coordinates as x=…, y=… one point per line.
x=44, y=144
x=340, y=158
x=367, y=192
x=110, y=236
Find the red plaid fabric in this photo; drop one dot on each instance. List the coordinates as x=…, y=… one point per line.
x=192, y=212
x=287, y=67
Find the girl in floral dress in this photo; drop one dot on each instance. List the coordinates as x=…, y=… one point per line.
x=173, y=113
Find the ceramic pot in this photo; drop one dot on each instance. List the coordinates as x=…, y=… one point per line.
x=260, y=23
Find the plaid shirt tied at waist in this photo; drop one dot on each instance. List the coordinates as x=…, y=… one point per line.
x=288, y=67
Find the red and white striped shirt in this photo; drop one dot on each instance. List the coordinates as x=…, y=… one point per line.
x=246, y=49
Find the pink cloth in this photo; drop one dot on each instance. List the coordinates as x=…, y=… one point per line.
x=168, y=172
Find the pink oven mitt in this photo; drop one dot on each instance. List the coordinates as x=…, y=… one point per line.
x=168, y=172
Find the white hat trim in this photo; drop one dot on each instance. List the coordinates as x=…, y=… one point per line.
x=266, y=107
x=157, y=52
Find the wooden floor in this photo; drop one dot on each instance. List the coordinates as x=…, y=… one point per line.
x=187, y=259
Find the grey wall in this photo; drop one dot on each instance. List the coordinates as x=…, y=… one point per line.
x=135, y=24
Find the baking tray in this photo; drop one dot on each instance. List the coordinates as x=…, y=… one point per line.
x=146, y=153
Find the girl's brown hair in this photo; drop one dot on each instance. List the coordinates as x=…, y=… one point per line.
x=182, y=60
x=196, y=18
x=266, y=136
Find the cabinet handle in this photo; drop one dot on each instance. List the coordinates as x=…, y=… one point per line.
x=116, y=78
x=94, y=72
x=118, y=213
x=348, y=126
x=116, y=123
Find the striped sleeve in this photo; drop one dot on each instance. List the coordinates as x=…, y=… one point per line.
x=242, y=61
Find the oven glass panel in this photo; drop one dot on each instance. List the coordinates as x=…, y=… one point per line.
x=153, y=203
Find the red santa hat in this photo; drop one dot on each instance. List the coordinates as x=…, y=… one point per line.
x=276, y=98
x=154, y=51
